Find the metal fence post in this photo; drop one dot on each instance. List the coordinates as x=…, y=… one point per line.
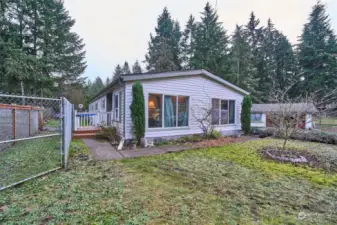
x=65, y=114
x=29, y=123
x=14, y=123
x=61, y=130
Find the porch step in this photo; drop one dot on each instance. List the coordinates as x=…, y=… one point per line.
x=85, y=135
x=85, y=131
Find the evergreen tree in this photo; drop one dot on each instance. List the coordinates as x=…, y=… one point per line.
x=286, y=71
x=242, y=70
x=138, y=112
x=107, y=81
x=246, y=114
x=38, y=44
x=211, y=44
x=95, y=87
x=118, y=72
x=126, y=68
x=187, y=44
x=317, y=52
x=67, y=57
x=136, y=68
x=254, y=35
x=254, y=32
x=164, y=48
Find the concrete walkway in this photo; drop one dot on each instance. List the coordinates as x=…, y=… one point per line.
x=103, y=150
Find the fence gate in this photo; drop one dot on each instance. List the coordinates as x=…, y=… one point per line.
x=35, y=135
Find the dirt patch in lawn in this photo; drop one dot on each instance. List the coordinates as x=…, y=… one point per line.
x=300, y=157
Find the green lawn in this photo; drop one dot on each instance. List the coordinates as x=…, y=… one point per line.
x=28, y=158
x=53, y=123
x=227, y=185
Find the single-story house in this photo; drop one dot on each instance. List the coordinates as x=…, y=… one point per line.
x=260, y=113
x=174, y=102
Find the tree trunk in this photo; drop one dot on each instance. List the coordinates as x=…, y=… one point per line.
x=285, y=139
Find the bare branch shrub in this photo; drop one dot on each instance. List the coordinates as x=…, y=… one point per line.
x=289, y=115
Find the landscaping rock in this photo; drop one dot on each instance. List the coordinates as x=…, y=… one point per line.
x=300, y=157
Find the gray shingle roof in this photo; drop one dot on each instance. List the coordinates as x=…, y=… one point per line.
x=290, y=107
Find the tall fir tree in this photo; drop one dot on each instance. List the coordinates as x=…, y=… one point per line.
x=95, y=87
x=254, y=35
x=126, y=68
x=164, y=47
x=317, y=52
x=107, y=81
x=136, y=68
x=188, y=43
x=242, y=69
x=118, y=72
x=286, y=72
x=40, y=46
x=211, y=44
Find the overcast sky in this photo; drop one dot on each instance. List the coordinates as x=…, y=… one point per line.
x=115, y=31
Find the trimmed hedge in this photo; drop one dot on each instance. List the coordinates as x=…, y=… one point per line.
x=138, y=112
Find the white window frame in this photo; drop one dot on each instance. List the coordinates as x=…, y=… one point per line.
x=163, y=112
x=261, y=117
x=220, y=100
x=103, y=104
x=116, y=110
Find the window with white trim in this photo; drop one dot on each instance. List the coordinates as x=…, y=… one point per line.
x=167, y=111
x=116, y=100
x=256, y=117
x=103, y=104
x=96, y=106
x=223, y=111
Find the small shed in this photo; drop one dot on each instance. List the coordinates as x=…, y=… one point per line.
x=259, y=114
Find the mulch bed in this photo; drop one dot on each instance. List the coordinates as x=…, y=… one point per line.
x=300, y=157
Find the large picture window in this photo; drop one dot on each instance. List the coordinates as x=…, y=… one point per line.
x=223, y=111
x=167, y=111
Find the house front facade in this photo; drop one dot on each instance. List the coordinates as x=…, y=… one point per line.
x=175, y=102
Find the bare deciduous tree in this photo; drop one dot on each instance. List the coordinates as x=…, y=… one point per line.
x=203, y=115
x=290, y=115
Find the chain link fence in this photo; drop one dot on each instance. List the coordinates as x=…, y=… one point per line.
x=33, y=140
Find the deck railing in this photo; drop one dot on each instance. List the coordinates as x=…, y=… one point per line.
x=89, y=120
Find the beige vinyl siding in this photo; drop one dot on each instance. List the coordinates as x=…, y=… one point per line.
x=200, y=91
